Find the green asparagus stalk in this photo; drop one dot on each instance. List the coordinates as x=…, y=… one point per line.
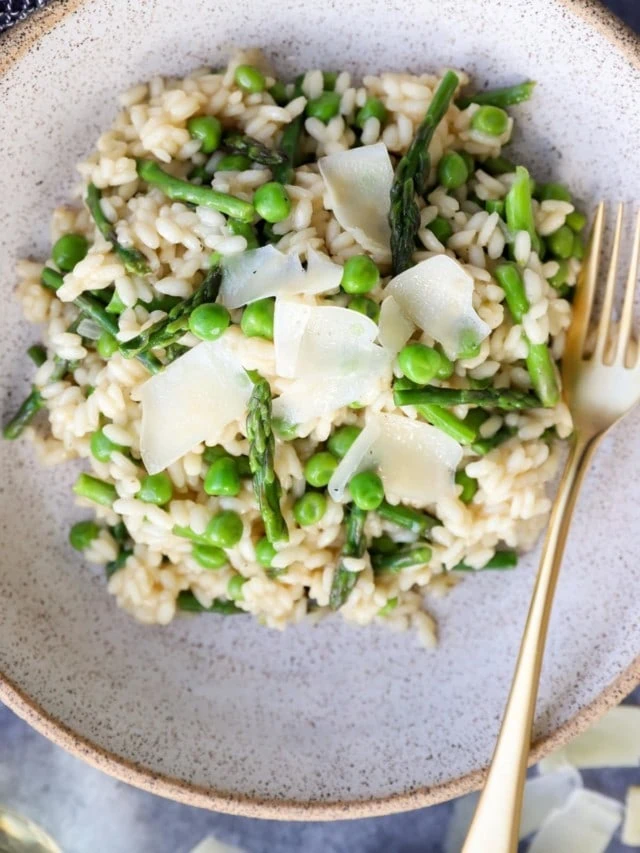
x=261, y=455
x=539, y=362
x=355, y=545
x=23, y=417
x=37, y=354
x=507, y=96
x=417, y=522
x=484, y=445
x=518, y=209
x=94, y=489
x=92, y=307
x=412, y=175
x=187, y=601
x=500, y=560
x=498, y=165
x=165, y=332
x=178, y=190
x=463, y=431
x=252, y=148
x=133, y=261
x=492, y=398
x=290, y=146
x=403, y=558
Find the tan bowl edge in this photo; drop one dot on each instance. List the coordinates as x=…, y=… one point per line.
x=16, y=43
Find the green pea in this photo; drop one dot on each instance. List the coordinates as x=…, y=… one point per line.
x=310, y=508
x=469, y=486
x=445, y=371
x=272, y=202
x=469, y=162
x=257, y=319
x=442, y=229
x=366, y=306
x=359, y=275
x=224, y=529
x=341, y=440
x=115, y=305
x=223, y=478
x=249, y=78
x=559, y=278
x=553, y=192
x=329, y=79
x=366, y=490
x=234, y=588
x=495, y=205
x=82, y=534
x=324, y=107
x=577, y=250
x=419, y=363
x=243, y=229
x=106, y=345
x=208, y=556
x=102, y=447
x=279, y=93
x=210, y=454
x=265, y=552
x=156, y=489
x=233, y=163
x=69, y=250
x=576, y=221
x=452, y=171
x=208, y=130
x=490, y=120
x=372, y=108
x=560, y=243
x=319, y=468
x=209, y=321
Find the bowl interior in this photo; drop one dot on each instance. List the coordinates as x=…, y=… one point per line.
x=331, y=713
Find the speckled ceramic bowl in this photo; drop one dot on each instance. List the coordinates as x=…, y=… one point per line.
x=329, y=721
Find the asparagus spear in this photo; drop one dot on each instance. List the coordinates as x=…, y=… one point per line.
x=178, y=190
x=265, y=481
x=37, y=354
x=412, y=175
x=518, y=209
x=290, y=146
x=409, y=555
x=462, y=431
x=539, y=362
x=134, y=261
x=411, y=519
x=500, y=560
x=483, y=445
x=23, y=417
x=92, y=307
x=507, y=96
x=165, y=332
x=252, y=148
x=492, y=398
x=498, y=165
x=186, y=600
x=355, y=545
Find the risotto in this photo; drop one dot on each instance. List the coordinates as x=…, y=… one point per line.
x=305, y=336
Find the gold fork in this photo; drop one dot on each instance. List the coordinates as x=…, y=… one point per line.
x=601, y=385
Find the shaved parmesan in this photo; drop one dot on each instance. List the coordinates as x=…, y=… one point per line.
x=437, y=294
x=320, y=394
x=415, y=461
x=586, y=823
x=258, y=273
x=263, y=272
x=631, y=826
x=358, y=183
x=394, y=327
x=613, y=741
x=192, y=400
x=290, y=320
x=542, y=796
x=212, y=845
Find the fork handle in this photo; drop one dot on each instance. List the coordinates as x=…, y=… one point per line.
x=496, y=822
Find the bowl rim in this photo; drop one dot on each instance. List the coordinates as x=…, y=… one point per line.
x=16, y=42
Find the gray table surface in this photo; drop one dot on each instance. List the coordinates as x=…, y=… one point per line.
x=88, y=812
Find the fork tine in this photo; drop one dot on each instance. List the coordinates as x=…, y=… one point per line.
x=586, y=287
x=626, y=317
x=604, y=326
